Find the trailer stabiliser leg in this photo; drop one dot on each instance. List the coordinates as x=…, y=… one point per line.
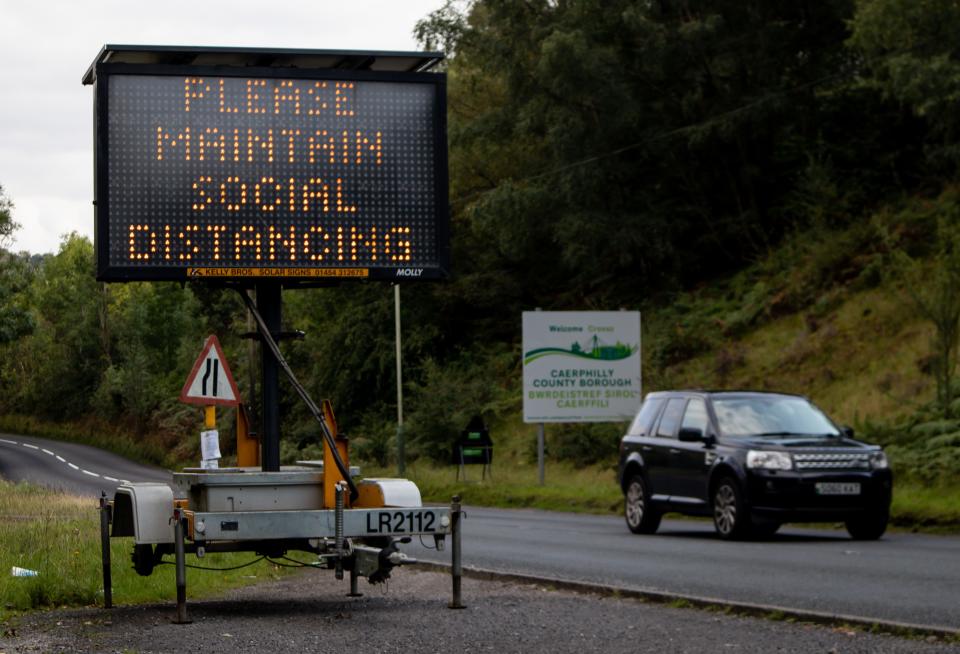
x=105, y=551
x=338, y=529
x=181, y=564
x=456, y=567
x=354, y=577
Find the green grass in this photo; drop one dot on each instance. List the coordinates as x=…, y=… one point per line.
x=930, y=508
x=58, y=535
x=586, y=490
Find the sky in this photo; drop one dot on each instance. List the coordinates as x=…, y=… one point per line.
x=46, y=115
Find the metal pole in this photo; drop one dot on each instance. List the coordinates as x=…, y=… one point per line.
x=456, y=566
x=105, y=551
x=401, y=457
x=540, y=447
x=181, y=565
x=354, y=589
x=252, y=375
x=338, y=529
x=270, y=307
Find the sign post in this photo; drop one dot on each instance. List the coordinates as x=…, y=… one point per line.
x=210, y=383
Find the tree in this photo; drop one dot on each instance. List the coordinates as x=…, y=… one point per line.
x=15, y=273
x=7, y=224
x=933, y=291
x=910, y=53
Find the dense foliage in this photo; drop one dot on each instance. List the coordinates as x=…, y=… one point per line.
x=602, y=155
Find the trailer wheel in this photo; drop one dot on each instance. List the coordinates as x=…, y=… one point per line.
x=143, y=559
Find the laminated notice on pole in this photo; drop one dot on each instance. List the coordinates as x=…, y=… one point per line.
x=209, y=444
x=210, y=381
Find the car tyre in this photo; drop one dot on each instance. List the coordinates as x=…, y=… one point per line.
x=868, y=525
x=641, y=517
x=731, y=518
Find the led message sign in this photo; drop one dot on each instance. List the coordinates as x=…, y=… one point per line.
x=290, y=174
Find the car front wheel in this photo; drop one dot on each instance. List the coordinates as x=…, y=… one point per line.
x=640, y=516
x=730, y=515
x=868, y=525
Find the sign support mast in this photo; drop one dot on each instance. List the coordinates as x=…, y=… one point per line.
x=269, y=304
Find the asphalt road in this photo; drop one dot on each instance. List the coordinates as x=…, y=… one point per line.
x=903, y=577
x=74, y=468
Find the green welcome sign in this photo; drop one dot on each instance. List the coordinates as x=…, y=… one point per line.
x=581, y=366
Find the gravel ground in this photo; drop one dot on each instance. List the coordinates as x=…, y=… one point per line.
x=310, y=613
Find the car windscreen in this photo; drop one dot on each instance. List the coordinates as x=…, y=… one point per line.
x=771, y=416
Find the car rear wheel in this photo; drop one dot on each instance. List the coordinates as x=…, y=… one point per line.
x=868, y=525
x=730, y=515
x=640, y=516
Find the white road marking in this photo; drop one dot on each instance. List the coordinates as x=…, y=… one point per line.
x=62, y=460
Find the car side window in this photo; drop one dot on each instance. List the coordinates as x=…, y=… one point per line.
x=643, y=423
x=695, y=417
x=671, y=418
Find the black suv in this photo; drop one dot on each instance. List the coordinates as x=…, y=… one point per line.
x=752, y=461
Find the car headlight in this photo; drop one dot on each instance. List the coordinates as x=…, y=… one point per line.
x=769, y=460
x=878, y=460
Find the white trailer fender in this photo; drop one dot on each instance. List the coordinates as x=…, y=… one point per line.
x=144, y=511
x=390, y=492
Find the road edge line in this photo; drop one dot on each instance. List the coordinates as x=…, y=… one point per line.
x=766, y=611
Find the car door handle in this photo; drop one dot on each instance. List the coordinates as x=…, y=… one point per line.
x=646, y=448
x=674, y=450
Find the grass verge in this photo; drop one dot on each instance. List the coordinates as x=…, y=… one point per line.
x=58, y=536
x=926, y=508
x=585, y=490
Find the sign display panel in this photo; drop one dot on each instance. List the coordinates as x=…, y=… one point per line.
x=205, y=174
x=581, y=366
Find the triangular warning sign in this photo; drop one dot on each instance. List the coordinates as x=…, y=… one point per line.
x=210, y=381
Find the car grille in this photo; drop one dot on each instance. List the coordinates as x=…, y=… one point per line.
x=831, y=461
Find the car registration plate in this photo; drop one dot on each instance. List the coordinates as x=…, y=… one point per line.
x=835, y=488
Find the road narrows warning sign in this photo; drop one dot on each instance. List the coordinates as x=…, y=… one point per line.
x=210, y=381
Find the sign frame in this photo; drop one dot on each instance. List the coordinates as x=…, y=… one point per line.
x=287, y=275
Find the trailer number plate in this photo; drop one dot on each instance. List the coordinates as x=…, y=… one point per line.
x=402, y=522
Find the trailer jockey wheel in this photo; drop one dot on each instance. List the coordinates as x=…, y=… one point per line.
x=143, y=560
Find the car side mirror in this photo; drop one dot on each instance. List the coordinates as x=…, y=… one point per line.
x=847, y=431
x=690, y=434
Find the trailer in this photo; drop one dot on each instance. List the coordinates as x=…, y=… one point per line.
x=270, y=514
